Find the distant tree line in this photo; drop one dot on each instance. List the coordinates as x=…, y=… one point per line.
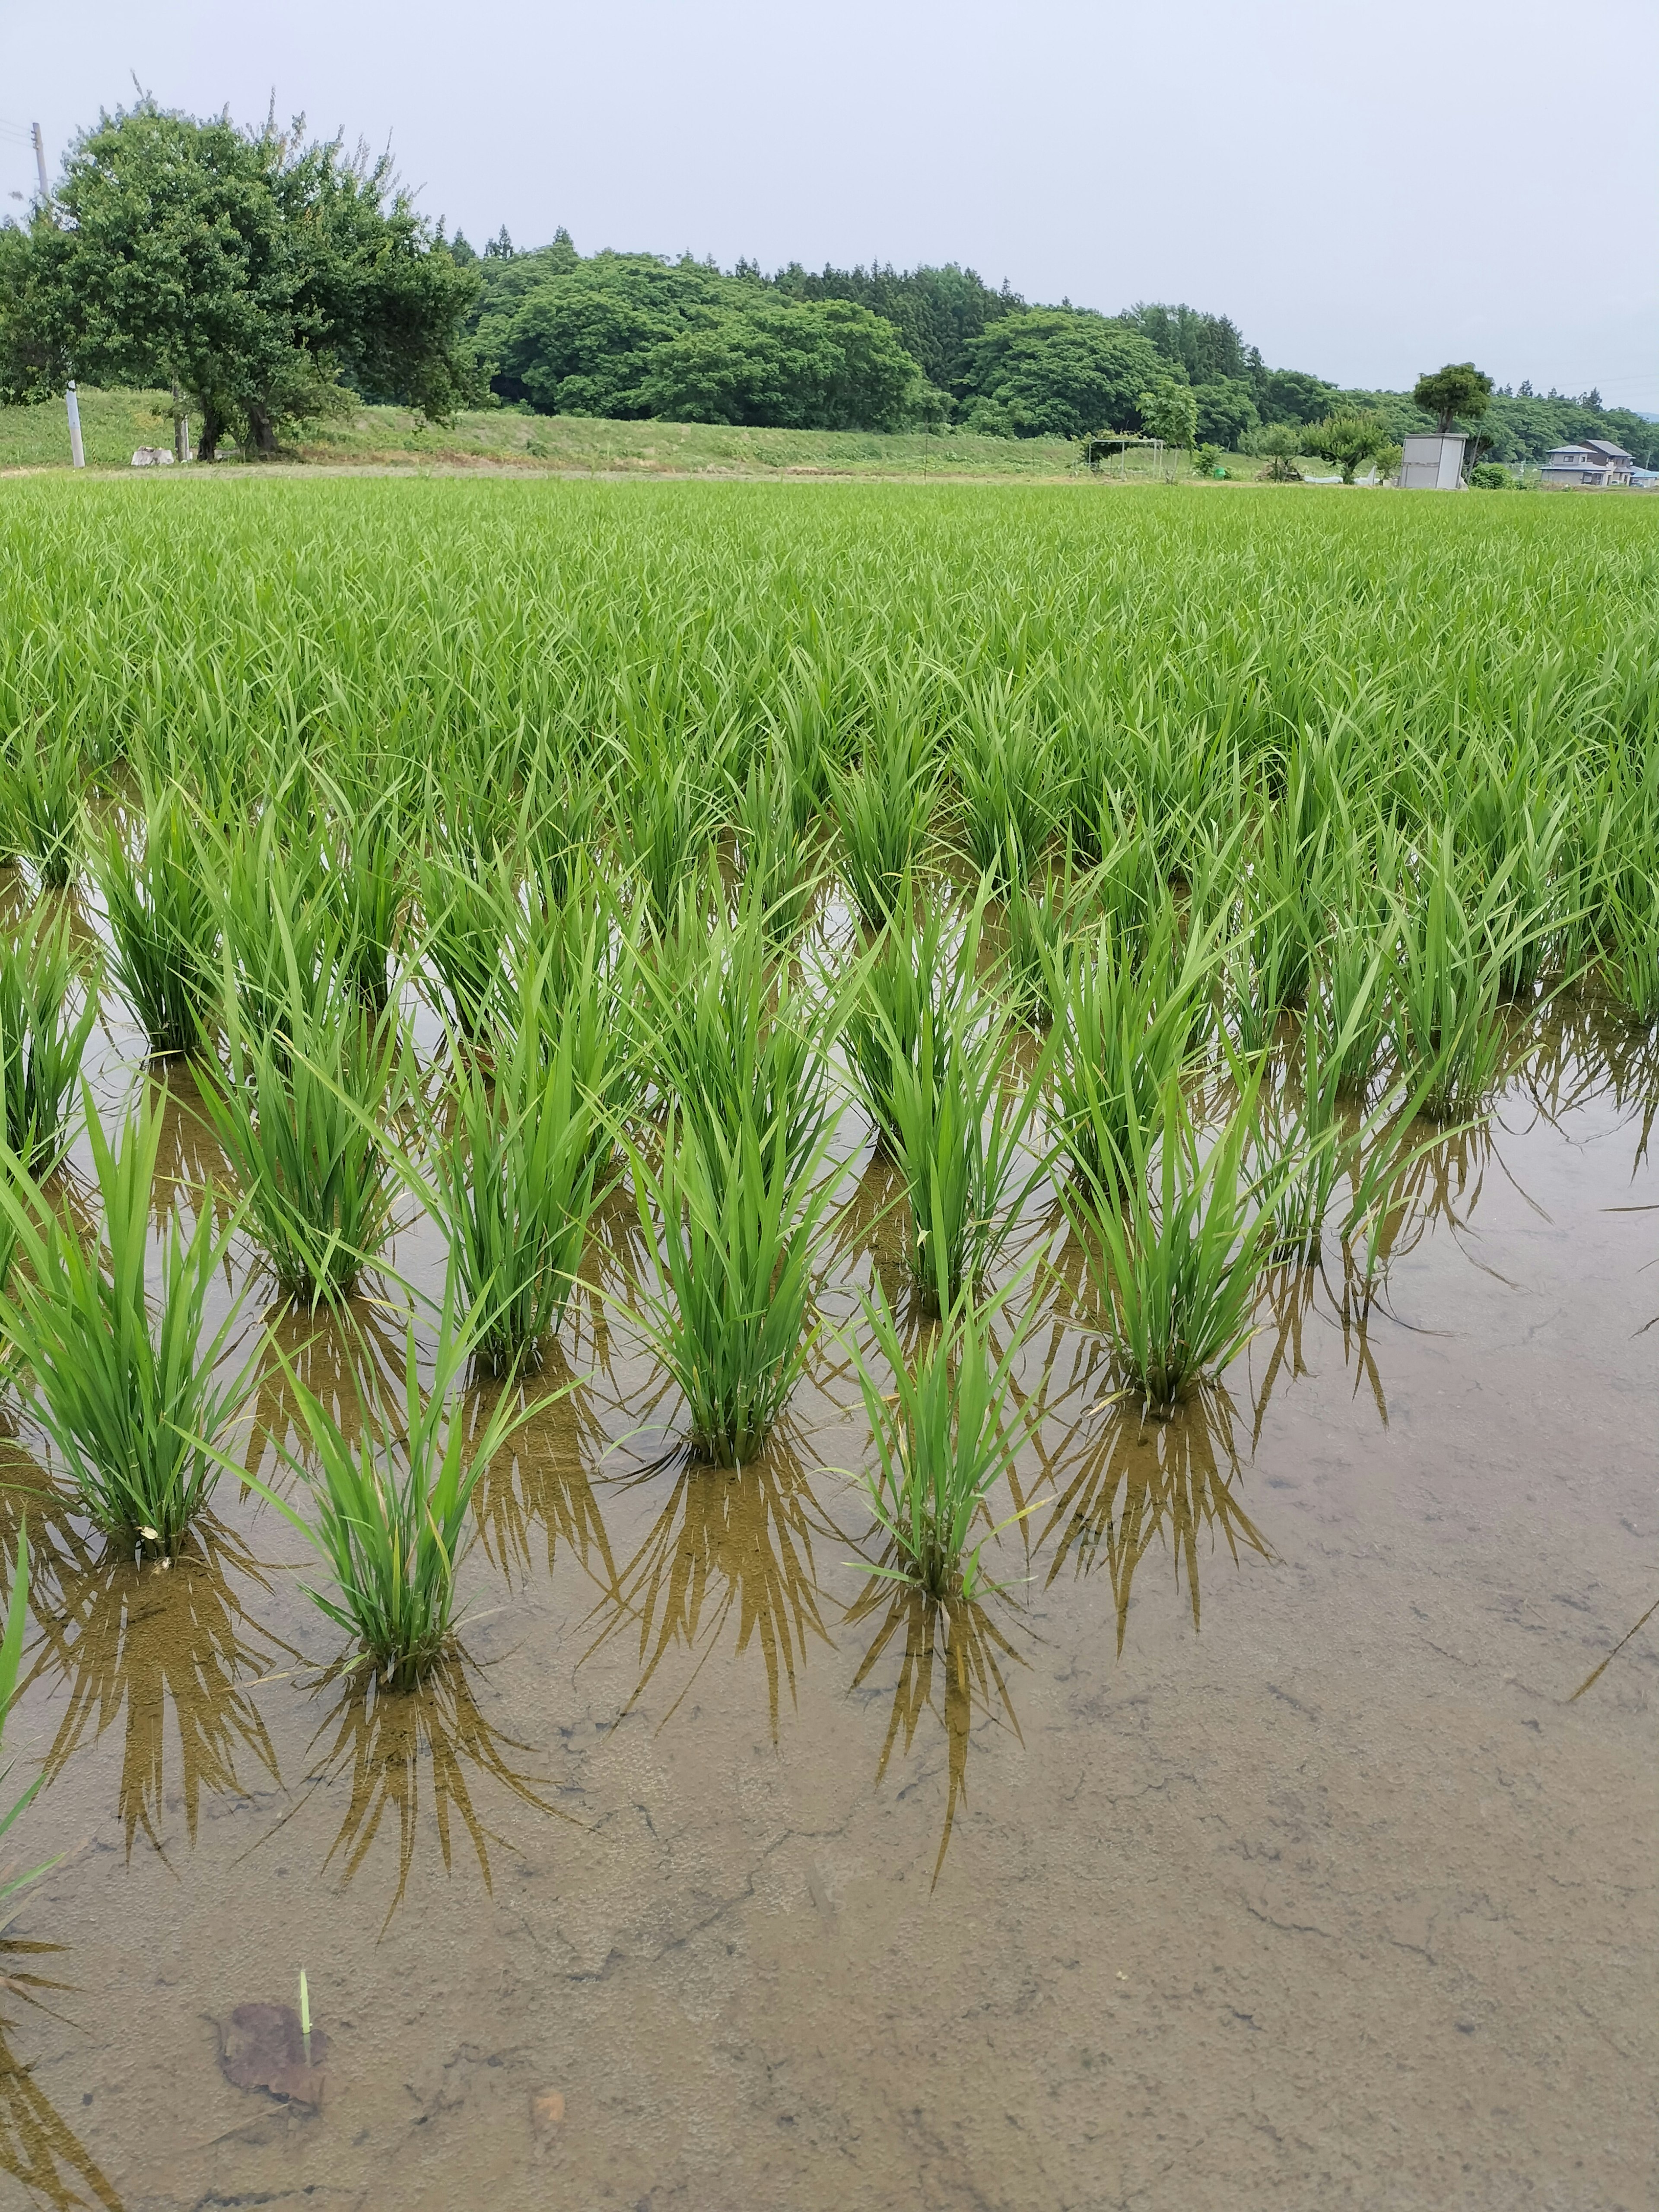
x=267, y=279
x=578, y=335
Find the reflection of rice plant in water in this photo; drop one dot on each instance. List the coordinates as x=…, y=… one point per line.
x=134, y=1404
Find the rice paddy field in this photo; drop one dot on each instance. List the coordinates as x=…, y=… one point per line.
x=827, y=1353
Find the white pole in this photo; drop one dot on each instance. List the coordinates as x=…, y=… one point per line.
x=40, y=164
x=77, y=454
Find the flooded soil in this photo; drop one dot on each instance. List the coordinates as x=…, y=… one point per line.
x=1249, y=1850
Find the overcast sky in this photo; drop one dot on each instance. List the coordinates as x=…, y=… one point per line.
x=1368, y=191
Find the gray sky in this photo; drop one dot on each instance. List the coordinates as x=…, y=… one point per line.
x=1367, y=190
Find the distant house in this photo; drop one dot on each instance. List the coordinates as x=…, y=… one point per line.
x=1590, y=465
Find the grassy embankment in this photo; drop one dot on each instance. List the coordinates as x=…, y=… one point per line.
x=114, y=422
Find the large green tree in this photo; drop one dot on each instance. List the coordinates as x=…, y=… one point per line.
x=1459, y=390
x=827, y=365
x=263, y=275
x=1058, y=372
x=1347, y=439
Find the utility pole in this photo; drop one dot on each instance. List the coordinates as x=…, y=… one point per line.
x=40, y=163
x=77, y=452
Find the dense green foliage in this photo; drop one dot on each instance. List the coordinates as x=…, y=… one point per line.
x=261, y=276
x=629, y=336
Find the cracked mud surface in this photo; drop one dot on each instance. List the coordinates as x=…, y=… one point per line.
x=1335, y=1899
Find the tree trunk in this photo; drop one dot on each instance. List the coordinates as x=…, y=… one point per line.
x=264, y=433
x=207, y=446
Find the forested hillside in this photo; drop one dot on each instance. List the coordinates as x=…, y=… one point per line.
x=635, y=335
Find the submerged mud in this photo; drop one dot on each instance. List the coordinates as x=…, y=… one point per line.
x=1246, y=1846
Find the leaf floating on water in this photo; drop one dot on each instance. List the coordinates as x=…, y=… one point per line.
x=263, y=2047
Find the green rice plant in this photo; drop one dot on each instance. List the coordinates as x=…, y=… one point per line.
x=278, y=933
x=1002, y=760
x=576, y=974
x=1300, y=1147
x=883, y=811
x=1041, y=922
x=515, y=1185
x=1448, y=1032
x=663, y=828
x=1175, y=1240
x=944, y=1432
x=164, y=923
x=735, y=1042
x=41, y=785
x=1633, y=949
x=1515, y=817
x=392, y=1503
x=1123, y=1029
x=1349, y=1009
x=365, y=881
x=960, y=1134
x=300, y=1113
x=733, y=1217
x=133, y=1403
x=470, y=913
x=916, y=961
x=41, y=1040
x=780, y=874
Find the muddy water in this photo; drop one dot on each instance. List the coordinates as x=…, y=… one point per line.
x=1249, y=1851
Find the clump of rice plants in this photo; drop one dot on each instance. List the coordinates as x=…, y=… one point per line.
x=944, y=1432
x=1004, y=777
x=1122, y=1028
x=1447, y=1027
x=1633, y=949
x=1040, y=924
x=164, y=923
x=42, y=1039
x=41, y=785
x=1349, y=1009
x=914, y=962
x=732, y=1206
x=883, y=810
x=733, y=1218
x=732, y=1039
x=516, y=1180
x=779, y=872
x=959, y=1132
x=663, y=830
x=392, y=1503
x=278, y=933
x=134, y=1403
x=365, y=884
x=1176, y=1239
x=300, y=1113
x=469, y=915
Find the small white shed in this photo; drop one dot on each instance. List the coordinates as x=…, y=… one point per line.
x=1433, y=461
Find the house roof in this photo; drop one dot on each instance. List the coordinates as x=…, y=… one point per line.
x=1602, y=445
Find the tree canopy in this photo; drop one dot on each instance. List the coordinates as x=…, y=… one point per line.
x=1458, y=389
x=263, y=274
x=1057, y=373
x=630, y=335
